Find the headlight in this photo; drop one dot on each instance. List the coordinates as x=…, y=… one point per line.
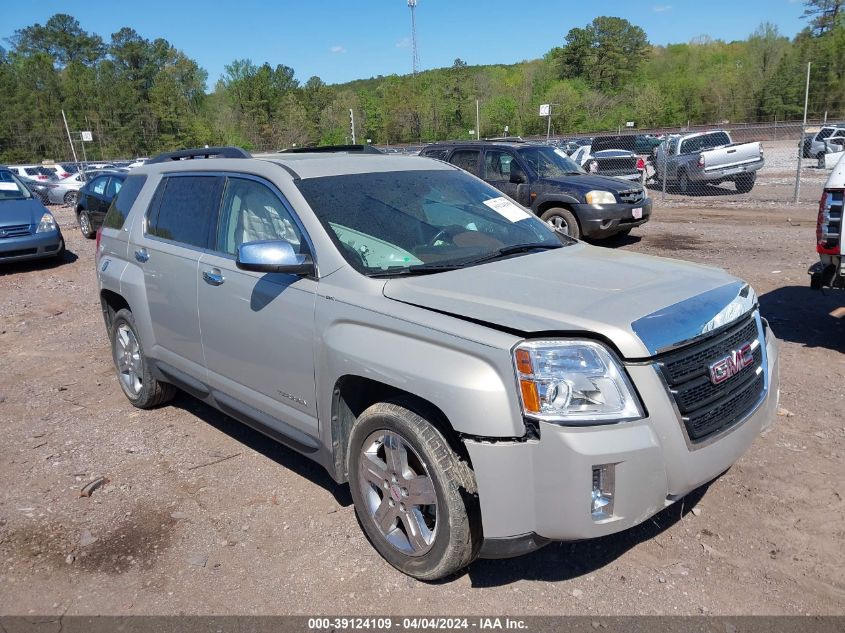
x=577, y=382
x=47, y=224
x=600, y=197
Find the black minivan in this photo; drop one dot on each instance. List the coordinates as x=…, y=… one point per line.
x=545, y=180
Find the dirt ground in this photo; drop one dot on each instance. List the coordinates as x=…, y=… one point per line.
x=202, y=515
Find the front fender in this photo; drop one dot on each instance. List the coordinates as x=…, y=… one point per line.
x=555, y=199
x=470, y=381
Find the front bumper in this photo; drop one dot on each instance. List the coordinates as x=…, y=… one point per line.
x=539, y=490
x=604, y=220
x=34, y=246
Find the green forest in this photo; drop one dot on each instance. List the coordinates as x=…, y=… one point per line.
x=140, y=96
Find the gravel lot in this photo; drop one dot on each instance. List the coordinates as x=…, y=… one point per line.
x=202, y=515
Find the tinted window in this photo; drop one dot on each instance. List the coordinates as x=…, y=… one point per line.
x=252, y=212
x=436, y=153
x=120, y=206
x=706, y=141
x=113, y=187
x=188, y=208
x=824, y=133
x=98, y=186
x=497, y=165
x=466, y=159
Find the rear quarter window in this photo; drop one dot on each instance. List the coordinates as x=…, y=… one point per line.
x=123, y=201
x=440, y=154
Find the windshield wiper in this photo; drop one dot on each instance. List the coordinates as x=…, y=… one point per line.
x=417, y=269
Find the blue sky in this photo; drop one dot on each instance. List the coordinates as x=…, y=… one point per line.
x=340, y=41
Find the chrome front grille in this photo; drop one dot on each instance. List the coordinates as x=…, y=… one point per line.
x=707, y=408
x=18, y=230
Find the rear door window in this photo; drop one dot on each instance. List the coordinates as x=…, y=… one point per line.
x=187, y=209
x=120, y=206
x=113, y=187
x=466, y=159
x=497, y=165
x=99, y=185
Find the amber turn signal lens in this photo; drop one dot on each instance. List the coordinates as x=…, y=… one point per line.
x=523, y=362
x=530, y=397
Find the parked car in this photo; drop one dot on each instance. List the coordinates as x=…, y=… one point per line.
x=829, y=271
x=65, y=191
x=58, y=171
x=548, y=182
x=27, y=229
x=484, y=384
x=814, y=143
x=612, y=156
x=36, y=172
x=94, y=201
x=708, y=158
x=38, y=187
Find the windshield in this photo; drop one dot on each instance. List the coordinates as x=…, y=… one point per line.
x=11, y=188
x=549, y=162
x=408, y=222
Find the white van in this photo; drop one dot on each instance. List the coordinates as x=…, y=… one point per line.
x=829, y=271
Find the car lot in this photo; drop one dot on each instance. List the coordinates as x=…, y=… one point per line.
x=201, y=515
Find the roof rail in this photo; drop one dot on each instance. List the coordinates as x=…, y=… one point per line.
x=325, y=149
x=201, y=152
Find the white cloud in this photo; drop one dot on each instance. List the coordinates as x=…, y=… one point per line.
x=661, y=8
x=405, y=42
x=337, y=49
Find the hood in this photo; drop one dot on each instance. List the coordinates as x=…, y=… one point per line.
x=18, y=212
x=642, y=304
x=587, y=182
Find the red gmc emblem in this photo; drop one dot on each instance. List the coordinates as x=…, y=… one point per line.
x=731, y=364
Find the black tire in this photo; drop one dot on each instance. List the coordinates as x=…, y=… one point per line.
x=85, y=225
x=71, y=198
x=744, y=184
x=456, y=535
x=562, y=218
x=683, y=183
x=150, y=392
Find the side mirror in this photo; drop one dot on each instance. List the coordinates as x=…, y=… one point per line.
x=273, y=256
x=517, y=175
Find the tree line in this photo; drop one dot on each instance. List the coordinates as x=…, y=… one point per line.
x=141, y=96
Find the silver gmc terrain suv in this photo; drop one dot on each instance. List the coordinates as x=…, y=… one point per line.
x=484, y=384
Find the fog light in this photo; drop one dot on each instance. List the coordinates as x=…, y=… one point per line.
x=601, y=499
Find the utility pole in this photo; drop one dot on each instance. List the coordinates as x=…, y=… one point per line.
x=70, y=140
x=801, y=139
x=352, y=124
x=477, y=123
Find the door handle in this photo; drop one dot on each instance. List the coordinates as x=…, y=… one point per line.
x=213, y=277
x=142, y=255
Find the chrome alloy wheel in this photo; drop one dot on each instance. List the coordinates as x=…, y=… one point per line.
x=398, y=492
x=84, y=224
x=127, y=357
x=559, y=224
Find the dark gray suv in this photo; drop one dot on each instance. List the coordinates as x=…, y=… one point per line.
x=484, y=384
x=544, y=179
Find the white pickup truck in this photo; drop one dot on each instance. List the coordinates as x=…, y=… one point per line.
x=692, y=160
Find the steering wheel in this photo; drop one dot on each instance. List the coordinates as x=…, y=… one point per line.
x=446, y=234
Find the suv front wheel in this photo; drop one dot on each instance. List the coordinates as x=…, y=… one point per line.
x=413, y=495
x=133, y=369
x=563, y=221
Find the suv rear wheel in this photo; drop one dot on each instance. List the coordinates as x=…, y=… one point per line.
x=133, y=370
x=562, y=220
x=410, y=493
